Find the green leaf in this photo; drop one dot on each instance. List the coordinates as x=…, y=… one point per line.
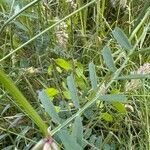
x=120, y=107
x=113, y=97
x=108, y=59
x=50, y=68
x=107, y=147
x=93, y=77
x=59, y=69
x=64, y=64
x=98, y=141
x=107, y=117
x=67, y=94
x=29, y=15
x=64, y=86
x=57, y=108
x=73, y=90
x=121, y=38
x=49, y=107
x=20, y=26
x=92, y=139
x=87, y=133
x=81, y=83
x=2, y=2
x=134, y=76
x=79, y=69
x=80, y=72
x=68, y=141
x=77, y=131
x=51, y=92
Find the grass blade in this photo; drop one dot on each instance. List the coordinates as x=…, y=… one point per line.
x=22, y=101
x=93, y=76
x=73, y=90
x=141, y=19
x=108, y=59
x=49, y=107
x=121, y=38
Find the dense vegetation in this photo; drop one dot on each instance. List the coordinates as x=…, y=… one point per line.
x=75, y=74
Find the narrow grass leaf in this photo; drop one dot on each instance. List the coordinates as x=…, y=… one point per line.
x=93, y=77
x=77, y=131
x=113, y=97
x=121, y=38
x=21, y=101
x=142, y=17
x=68, y=141
x=108, y=59
x=49, y=107
x=5, y=109
x=73, y=90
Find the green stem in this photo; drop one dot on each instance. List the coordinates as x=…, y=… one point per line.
x=134, y=76
x=22, y=101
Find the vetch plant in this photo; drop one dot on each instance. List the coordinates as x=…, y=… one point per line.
x=68, y=107
x=75, y=138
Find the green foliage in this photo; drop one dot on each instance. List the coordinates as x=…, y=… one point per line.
x=67, y=94
x=50, y=70
x=93, y=77
x=107, y=117
x=113, y=97
x=49, y=107
x=64, y=64
x=51, y=92
x=77, y=131
x=50, y=47
x=109, y=59
x=22, y=102
x=120, y=107
x=121, y=38
x=68, y=141
x=73, y=90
